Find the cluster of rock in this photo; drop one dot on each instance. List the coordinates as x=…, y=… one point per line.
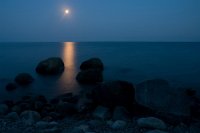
x=50, y=66
x=111, y=106
x=91, y=71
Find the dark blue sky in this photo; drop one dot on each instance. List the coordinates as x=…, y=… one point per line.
x=100, y=20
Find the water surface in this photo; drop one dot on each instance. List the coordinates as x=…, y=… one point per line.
x=132, y=61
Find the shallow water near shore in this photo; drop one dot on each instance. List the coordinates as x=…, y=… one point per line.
x=132, y=61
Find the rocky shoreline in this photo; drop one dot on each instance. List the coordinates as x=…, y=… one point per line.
x=110, y=107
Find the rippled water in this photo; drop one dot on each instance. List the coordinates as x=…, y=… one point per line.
x=177, y=62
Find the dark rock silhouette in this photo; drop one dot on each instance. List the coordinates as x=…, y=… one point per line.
x=114, y=93
x=91, y=71
x=24, y=79
x=93, y=63
x=50, y=66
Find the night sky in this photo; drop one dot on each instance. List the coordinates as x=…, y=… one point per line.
x=99, y=20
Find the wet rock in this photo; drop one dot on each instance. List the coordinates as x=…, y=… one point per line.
x=11, y=86
x=157, y=94
x=101, y=113
x=50, y=66
x=194, y=129
x=90, y=76
x=84, y=104
x=181, y=128
x=16, y=109
x=119, y=124
x=156, y=131
x=3, y=109
x=114, y=93
x=51, y=130
x=41, y=125
x=81, y=129
x=24, y=79
x=120, y=113
x=95, y=123
x=151, y=122
x=12, y=116
x=93, y=63
x=65, y=108
x=30, y=117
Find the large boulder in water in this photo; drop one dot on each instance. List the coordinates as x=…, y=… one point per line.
x=90, y=76
x=157, y=94
x=114, y=93
x=24, y=79
x=93, y=63
x=50, y=66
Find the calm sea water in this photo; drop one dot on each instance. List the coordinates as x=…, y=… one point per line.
x=179, y=63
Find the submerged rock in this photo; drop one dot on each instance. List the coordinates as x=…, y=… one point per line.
x=93, y=63
x=114, y=93
x=50, y=66
x=11, y=86
x=151, y=122
x=90, y=76
x=24, y=79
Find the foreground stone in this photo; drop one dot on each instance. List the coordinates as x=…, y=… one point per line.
x=120, y=113
x=114, y=93
x=12, y=116
x=101, y=113
x=151, y=122
x=3, y=109
x=156, y=131
x=119, y=124
x=24, y=79
x=30, y=117
x=50, y=66
x=93, y=63
x=157, y=94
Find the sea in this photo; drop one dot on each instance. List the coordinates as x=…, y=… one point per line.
x=176, y=62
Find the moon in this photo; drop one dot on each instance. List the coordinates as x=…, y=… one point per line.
x=66, y=11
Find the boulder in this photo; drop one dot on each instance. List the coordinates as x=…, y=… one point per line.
x=50, y=66
x=24, y=79
x=156, y=131
x=3, y=109
x=151, y=122
x=11, y=86
x=119, y=124
x=64, y=108
x=41, y=124
x=12, y=116
x=16, y=109
x=101, y=113
x=157, y=94
x=30, y=117
x=90, y=76
x=120, y=113
x=181, y=128
x=194, y=128
x=114, y=93
x=93, y=63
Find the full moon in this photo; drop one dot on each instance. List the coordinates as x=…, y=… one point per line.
x=67, y=11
